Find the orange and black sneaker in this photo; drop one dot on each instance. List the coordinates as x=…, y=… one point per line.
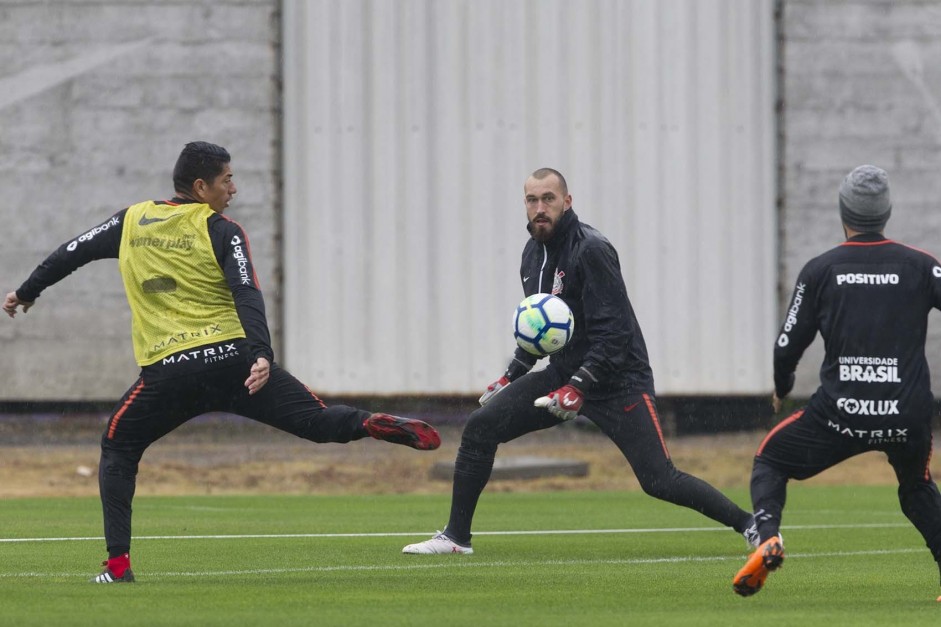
x=767, y=557
x=407, y=431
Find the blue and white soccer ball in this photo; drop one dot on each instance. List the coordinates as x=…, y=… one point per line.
x=542, y=324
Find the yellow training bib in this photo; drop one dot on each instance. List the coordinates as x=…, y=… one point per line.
x=177, y=292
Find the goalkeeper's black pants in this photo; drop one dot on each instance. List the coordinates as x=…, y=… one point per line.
x=155, y=406
x=812, y=440
x=629, y=420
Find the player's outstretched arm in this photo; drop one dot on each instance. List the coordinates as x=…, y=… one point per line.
x=99, y=242
x=12, y=301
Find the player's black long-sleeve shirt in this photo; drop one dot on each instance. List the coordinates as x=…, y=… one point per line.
x=580, y=265
x=870, y=298
x=104, y=242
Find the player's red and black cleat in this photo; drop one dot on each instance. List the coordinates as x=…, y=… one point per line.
x=767, y=557
x=407, y=431
x=117, y=570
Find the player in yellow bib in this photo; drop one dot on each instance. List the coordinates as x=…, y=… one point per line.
x=200, y=336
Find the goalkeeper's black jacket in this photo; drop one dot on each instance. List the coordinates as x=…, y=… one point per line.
x=870, y=298
x=607, y=353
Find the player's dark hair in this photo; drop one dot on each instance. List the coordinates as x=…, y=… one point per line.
x=542, y=173
x=199, y=160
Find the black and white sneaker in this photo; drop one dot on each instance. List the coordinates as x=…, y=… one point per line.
x=438, y=545
x=107, y=576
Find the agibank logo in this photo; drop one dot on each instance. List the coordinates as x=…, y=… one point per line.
x=114, y=221
x=238, y=253
x=791, y=319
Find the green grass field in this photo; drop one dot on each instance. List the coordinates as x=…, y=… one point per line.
x=566, y=558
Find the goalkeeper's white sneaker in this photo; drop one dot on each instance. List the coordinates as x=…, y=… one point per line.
x=438, y=545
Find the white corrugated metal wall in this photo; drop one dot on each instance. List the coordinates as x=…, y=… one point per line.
x=410, y=126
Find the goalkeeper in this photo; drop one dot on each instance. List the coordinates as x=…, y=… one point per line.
x=602, y=373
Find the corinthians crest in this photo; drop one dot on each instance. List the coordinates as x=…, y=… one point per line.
x=557, y=281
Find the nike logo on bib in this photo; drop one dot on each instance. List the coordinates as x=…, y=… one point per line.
x=144, y=221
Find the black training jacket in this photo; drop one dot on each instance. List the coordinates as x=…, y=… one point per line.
x=607, y=350
x=870, y=298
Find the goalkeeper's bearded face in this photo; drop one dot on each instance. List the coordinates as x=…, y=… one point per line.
x=546, y=201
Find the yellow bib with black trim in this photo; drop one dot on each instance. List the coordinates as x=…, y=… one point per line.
x=177, y=292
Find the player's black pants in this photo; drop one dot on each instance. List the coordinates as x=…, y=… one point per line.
x=151, y=409
x=630, y=421
x=804, y=445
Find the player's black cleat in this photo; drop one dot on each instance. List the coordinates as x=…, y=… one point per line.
x=107, y=576
x=407, y=431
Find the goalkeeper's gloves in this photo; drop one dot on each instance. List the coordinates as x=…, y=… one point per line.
x=564, y=403
x=514, y=371
x=493, y=389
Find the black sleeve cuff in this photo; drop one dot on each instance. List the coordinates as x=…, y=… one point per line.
x=582, y=380
x=266, y=354
x=516, y=369
x=26, y=297
x=783, y=384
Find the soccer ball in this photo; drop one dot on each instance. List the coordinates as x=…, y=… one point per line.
x=542, y=324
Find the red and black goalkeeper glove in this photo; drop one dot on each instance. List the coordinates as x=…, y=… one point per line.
x=514, y=371
x=492, y=390
x=564, y=403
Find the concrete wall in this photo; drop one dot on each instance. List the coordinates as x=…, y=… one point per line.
x=97, y=98
x=862, y=84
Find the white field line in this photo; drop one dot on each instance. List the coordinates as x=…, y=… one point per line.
x=405, y=534
x=469, y=562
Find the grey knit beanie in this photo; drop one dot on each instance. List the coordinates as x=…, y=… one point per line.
x=864, y=199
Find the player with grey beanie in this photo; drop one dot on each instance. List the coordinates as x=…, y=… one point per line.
x=865, y=205
x=869, y=297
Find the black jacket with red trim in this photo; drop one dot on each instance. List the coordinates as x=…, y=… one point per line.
x=869, y=298
x=607, y=353
x=104, y=242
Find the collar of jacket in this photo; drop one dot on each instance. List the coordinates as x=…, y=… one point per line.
x=868, y=237
x=568, y=221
